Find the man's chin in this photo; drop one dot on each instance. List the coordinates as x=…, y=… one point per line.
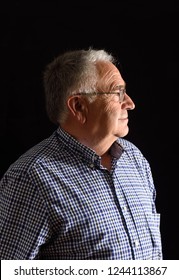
x=123, y=133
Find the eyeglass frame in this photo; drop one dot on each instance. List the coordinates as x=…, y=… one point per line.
x=121, y=93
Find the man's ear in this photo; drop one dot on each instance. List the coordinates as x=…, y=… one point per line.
x=77, y=105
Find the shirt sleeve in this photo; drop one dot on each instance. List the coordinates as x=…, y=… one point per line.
x=24, y=224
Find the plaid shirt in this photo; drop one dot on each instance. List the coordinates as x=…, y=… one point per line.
x=59, y=202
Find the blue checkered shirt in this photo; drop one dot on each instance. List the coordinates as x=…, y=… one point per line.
x=59, y=202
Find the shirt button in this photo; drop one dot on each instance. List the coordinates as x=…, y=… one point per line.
x=136, y=243
x=124, y=208
x=91, y=165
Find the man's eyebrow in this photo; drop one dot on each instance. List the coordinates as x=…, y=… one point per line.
x=119, y=86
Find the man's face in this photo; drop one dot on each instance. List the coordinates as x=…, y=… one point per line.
x=107, y=116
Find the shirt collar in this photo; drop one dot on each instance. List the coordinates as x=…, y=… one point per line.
x=80, y=150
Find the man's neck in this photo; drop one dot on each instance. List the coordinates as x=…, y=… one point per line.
x=100, y=145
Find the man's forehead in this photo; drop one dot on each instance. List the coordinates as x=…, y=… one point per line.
x=109, y=76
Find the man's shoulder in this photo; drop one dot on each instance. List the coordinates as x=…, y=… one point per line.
x=42, y=151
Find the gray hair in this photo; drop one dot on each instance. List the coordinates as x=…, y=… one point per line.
x=69, y=73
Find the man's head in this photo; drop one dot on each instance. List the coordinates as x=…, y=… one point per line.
x=85, y=91
x=70, y=73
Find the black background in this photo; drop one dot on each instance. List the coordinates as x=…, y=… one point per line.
x=144, y=37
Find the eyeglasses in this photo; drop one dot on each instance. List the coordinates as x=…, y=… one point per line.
x=121, y=93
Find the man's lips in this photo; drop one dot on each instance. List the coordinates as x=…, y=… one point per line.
x=123, y=119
